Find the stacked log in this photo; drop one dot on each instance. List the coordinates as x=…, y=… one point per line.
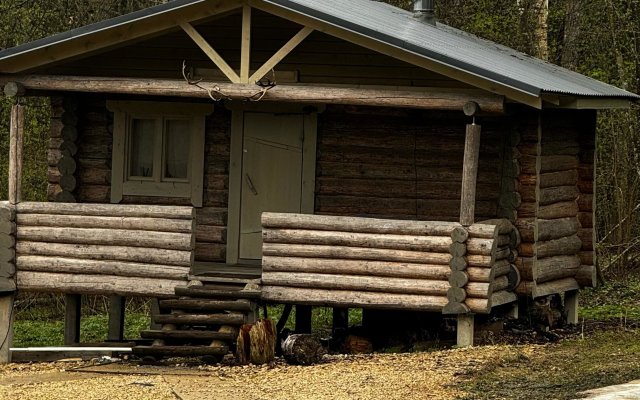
x=95, y=138
x=586, y=275
x=62, y=150
x=550, y=225
x=413, y=174
x=7, y=248
x=103, y=249
x=383, y=264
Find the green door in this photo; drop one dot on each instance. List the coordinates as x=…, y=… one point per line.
x=271, y=173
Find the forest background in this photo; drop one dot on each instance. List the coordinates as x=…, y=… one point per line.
x=598, y=38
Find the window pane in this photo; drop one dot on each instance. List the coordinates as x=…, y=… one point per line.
x=176, y=141
x=142, y=147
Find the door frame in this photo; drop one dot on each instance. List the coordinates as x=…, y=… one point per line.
x=309, y=146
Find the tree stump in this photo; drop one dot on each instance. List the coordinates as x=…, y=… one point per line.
x=302, y=349
x=257, y=343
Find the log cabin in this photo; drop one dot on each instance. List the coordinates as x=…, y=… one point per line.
x=347, y=154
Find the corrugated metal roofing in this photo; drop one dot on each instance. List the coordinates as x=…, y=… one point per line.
x=396, y=27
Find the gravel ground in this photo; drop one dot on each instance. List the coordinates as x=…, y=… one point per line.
x=433, y=375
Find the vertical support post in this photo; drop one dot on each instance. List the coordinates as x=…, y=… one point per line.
x=6, y=328
x=340, y=319
x=245, y=58
x=465, y=329
x=155, y=310
x=303, y=319
x=15, y=153
x=73, y=308
x=470, y=174
x=571, y=306
x=116, y=318
x=514, y=311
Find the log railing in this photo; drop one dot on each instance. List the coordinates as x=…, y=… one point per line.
x=103, y=249
x=385, y=264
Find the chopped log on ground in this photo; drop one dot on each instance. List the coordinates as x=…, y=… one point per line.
x=256, y=343
x=302, y=349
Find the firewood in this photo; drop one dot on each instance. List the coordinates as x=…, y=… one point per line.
x=302, y=349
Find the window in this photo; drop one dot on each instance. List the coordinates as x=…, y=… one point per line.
x=158, y=149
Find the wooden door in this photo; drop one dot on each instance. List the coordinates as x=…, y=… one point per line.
x=271, y=173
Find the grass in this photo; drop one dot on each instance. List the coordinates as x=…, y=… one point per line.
x=559, y=371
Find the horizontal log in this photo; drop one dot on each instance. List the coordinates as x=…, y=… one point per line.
x=351, y=299
x=453, y=308
x=7, y=255
x=45, y=282
x=108, y=210
x=126, y=223
x=354, y=253
x=558, y=267
x=586, y=202
x=553, y=179
x=487, y=246
x=551, y=229
x=490, y=229
x=458, y=279
x=558, y=247
x=355, y=239
x=204, y=293
x=7, y=228
x=356, y=224
x=114, y=253
x=355, y=267
x=502, y=297
x=7, y=241
x=586, y=219
x=100, y=267
x=484, y=274
x=558, y=194
x=456, y=295
x=586, y=276
x=474, y=260
x=206, y=305
x=558, y=210
x=558, y=163
x=7, y=212
x=478, y=305
x=180, y=351
x=68, y=183
x=431, y=98
x=108, y=237
x=356, y=283
x=188, y=335
x=214, y=252
x=197, y=319
x=529, y=288
x=211, y=234
x=484, y=290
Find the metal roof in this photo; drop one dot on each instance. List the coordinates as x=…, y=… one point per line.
x=396, y=27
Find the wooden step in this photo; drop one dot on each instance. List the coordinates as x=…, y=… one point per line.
x=206, y=305
x=187, y=335
x=195, y=319
x=180, y=351
x=222, y=279
x=199, y=292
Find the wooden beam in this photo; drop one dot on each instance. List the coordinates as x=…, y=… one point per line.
x=281, y=54
x=210, y=52
x=16, y=133
x=105, y=38
x=401, y=97
x=303, y=318
x=245, y=58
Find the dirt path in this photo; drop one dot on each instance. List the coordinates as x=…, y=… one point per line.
x=406, y=376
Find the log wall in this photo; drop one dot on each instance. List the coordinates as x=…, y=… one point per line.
x=7, y=248
x=555, y=183
x=385, y=163
x=387, y=264
x=103, y=249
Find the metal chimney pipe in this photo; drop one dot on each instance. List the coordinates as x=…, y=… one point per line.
x=424, y=10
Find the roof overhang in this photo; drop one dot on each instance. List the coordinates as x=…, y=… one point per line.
x=169, y=16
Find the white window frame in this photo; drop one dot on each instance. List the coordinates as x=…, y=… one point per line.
x=122, y=184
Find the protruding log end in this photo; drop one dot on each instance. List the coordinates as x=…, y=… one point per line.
x=455, y=308
x=471, y=108
x=14, y=89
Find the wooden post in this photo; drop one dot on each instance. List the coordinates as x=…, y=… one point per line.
x=468, y=203
x=155, y=310
x=73, y=307
x=571, y=306
x=340, y=319
x=6, y=328
x=303, y=319
x=116, y=318
x=15, y=153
